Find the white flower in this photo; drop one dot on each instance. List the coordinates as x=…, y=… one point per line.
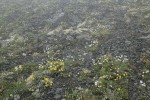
x=147, y=71
x=20, y=67
x=24, y=54
x=16, y=68
x=142, y=83
x=100, y=63
x=16, y=97
x=79, y=88
x=96, y=83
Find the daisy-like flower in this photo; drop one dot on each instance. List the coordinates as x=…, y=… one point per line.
x=96, y=83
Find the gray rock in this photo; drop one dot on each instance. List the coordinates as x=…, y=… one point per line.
x=57, y=97
x=127, y=42
x=145, y=37
x=58, y=17
x=58, y=90
x=75, y=19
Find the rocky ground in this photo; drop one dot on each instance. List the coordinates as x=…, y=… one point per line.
x=77, y=33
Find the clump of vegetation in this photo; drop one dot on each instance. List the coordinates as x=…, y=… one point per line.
x=80, y=94
x=109, y=77
x=113, y=76
x=31, y=80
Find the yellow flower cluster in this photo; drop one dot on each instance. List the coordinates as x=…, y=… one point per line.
x=29, y=81
x=103, y=77
x=48, y=82
x=56, y=65
x=115, y=76
x=31, y=89
x=31, y=77
x=125, y=74
x=41, y=67
x=86, y=71
x=144, y=58
x=118, y=77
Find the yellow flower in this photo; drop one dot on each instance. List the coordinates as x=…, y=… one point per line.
x=51, y=83
x=61, y=63
x=46, y=79
x=124, y=74
x=48, y=82
x=117, y=78
x=31, y=77
x=42, y=67
x=32, y=89
x=61, y=69
x=118, y=89
x=102, y=77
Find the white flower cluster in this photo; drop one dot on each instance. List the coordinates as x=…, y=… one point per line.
x=142, y=83
x=122, y=58
x=17, y=68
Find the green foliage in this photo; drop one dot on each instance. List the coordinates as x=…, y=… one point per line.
x=101, y=32
x=82, y=94
x=29, y=80
x=110, y=79
x=113, y=77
